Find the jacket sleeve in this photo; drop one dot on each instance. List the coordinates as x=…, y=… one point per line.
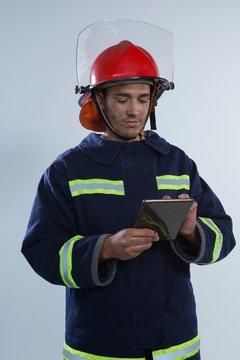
x=53, y=244
x=213, y=224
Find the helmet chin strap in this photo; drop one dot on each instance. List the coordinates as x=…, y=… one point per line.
x=108, y=124
x=153, y=120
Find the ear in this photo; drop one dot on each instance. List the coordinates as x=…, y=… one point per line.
x=101, y=98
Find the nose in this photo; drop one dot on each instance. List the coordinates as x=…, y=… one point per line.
x=133, y=108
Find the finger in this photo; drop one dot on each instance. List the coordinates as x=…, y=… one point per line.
x=140, y=248
x=194, y=206
x=142, y=232
x=139, y=241
x=150, y=236
x=183, y=196
x=186, y=196
x=167, y=197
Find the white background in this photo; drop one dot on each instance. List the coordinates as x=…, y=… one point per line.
x=39, y=120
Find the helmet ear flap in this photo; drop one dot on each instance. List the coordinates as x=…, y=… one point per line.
x=89, y=116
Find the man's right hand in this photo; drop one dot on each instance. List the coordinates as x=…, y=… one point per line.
x=128, y=243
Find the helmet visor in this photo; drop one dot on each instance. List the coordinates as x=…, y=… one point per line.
x=99, y=36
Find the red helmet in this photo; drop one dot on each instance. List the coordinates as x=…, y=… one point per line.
x=121, y=62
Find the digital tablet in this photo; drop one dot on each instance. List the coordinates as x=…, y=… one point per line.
x=164, y=216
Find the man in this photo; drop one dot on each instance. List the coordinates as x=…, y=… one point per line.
x=129, y=293
x=127, y=106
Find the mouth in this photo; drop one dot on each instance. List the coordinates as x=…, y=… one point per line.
x=132, y=123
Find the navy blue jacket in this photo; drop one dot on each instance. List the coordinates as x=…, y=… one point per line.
x=121, y=308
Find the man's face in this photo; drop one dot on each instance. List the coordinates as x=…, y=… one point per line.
x=126, y=108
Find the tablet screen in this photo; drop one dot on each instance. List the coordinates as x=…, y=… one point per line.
x=164, y=216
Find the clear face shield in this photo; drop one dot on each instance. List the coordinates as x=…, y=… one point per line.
x=101, y=35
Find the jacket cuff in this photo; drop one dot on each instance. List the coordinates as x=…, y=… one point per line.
x=183, y=249
x=102, y=273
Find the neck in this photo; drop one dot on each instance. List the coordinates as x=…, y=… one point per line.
x=115, y=137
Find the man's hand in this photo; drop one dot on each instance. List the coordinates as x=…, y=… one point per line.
x=189, y=225
x=128, y=243
x=188, y=229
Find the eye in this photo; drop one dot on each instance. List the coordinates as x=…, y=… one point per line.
x=121, y=100
x=144, y=100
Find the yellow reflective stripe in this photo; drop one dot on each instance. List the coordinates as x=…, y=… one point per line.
x=173, y=182
x=218, y=239
x=72, y=354
x=65, y=262
x=178, y=352
x=96, y=186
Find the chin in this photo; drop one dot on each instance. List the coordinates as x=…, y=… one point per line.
x=131, y=136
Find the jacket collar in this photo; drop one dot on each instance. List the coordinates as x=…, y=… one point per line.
x=105, y=151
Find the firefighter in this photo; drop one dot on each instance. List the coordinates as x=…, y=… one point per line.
x=128, y=292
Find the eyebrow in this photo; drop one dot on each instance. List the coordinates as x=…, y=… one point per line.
x=129, y=95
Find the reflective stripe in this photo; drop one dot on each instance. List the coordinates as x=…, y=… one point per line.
x=65, y=263
x=218, y=239
x=177, y=352
x=96, y=186
x=183, y=351
x=173, y=182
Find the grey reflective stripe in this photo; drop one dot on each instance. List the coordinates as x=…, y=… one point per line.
x=79, y=187
x=173, y=182
x=96, y=186
x=68, y=356
x=182, y=351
